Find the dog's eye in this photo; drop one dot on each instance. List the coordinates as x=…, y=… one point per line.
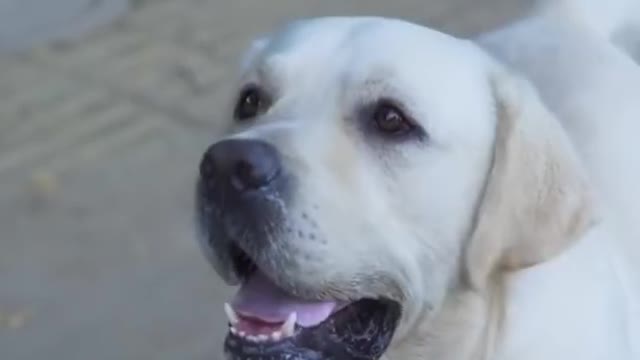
x=251, y=103
x=391, y=121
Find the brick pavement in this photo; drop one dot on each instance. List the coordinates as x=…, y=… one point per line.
x=99, y=140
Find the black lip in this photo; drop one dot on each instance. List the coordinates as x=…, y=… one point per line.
x=361, y=331
x=226, y=226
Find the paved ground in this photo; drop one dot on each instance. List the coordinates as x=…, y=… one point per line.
x=99, y=141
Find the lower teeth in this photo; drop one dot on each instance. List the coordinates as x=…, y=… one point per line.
x=275, y=336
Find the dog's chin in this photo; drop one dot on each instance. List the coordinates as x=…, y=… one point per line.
x=266, y=322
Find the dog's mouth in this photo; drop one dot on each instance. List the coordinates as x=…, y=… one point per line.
x=267, y=322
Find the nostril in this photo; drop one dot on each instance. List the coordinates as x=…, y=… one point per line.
x=252, y=175
x=244, y=175
x=207, y=171
x=245, y=170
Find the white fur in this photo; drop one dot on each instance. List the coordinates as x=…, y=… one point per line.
x=586, y=303
x=513, y=231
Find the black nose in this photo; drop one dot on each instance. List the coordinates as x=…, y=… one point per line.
x=240, y=164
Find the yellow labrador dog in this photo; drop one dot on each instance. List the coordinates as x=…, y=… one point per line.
x=388, y=191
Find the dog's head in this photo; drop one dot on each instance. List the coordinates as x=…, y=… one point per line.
x=372, y=167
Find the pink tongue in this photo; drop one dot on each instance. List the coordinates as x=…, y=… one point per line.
x=260, y=298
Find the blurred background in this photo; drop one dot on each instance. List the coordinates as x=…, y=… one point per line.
x=105, y=108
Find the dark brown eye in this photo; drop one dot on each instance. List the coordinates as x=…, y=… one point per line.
x=390, y=120
x=251, y=103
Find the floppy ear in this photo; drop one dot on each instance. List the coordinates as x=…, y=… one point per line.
x=537, y=200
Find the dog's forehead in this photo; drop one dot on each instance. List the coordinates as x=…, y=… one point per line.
x=336, y=43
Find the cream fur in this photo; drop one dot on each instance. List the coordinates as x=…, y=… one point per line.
x=512, y=232
x=537, y=200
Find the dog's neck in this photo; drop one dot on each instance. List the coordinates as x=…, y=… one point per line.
x=546, y=311
x=465, y=328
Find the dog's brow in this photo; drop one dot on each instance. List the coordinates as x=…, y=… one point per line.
x=264, y=71
x=372, y=76
x=269, y=69
x=377, y=86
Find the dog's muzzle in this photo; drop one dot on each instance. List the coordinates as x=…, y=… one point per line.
x=242, y=198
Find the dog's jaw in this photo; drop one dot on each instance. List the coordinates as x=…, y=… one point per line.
x=465, y=327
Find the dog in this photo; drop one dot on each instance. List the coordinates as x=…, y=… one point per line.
x=386, y=191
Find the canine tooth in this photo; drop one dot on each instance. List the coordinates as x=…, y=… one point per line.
x=263, y=337
x=231, y=314
x=289, y=326
x=242, y=333
x=276, y=336
x=233, y=330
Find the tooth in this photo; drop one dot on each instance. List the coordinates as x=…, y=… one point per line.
x=276, y=336
x=263, y=337
x=233, y=330
x=289, y=326
x=252, y=338
x=231, y=314
x=242, y=333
